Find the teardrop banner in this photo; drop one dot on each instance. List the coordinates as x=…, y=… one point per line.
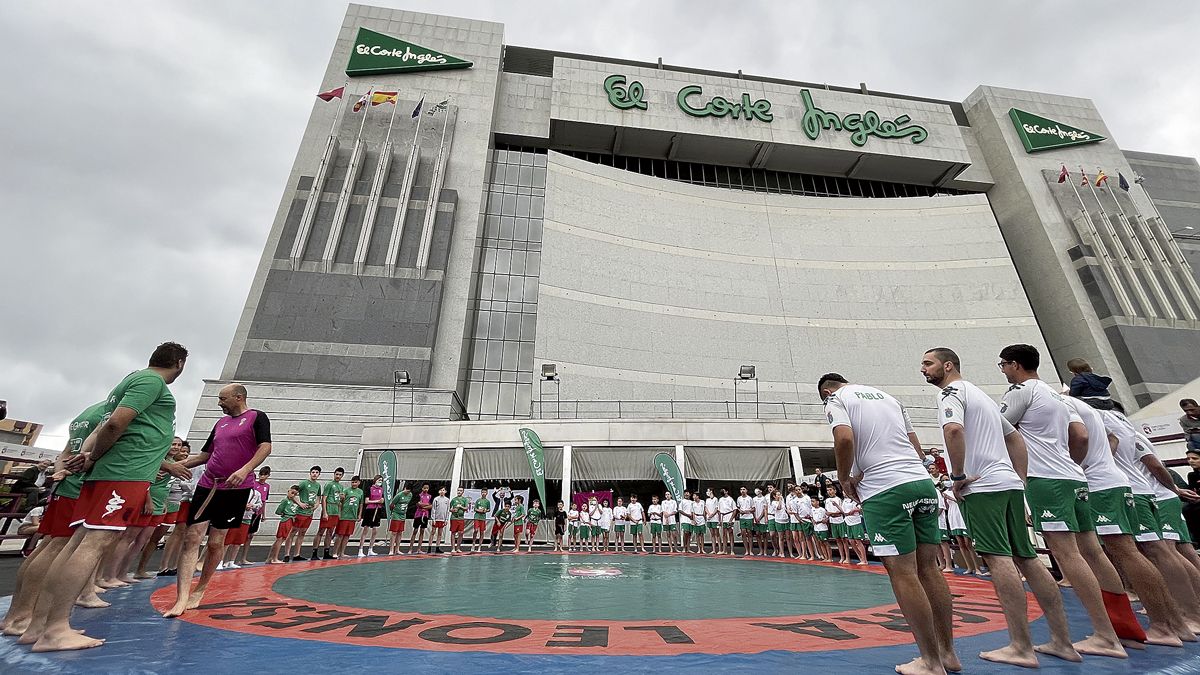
x=669, y=471
x=537, y=461
x=387, y=469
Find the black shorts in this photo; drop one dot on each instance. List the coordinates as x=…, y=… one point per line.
x=223, y=512
x=372, y=517
x=254, y=523
x=558, y=528
x=420, y=522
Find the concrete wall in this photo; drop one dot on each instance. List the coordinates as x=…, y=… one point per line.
x=653, y=289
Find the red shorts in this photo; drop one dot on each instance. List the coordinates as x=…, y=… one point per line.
x=531, y=530
x=237, y=535
x=345, y=528
x=330, y=523
x=457, y=526
x=480, y=525
x=56, y=521
x=110, y=504
x=182, y=514
x=149, y=520
x=170, y=518
x=518, y=529
x=396, y=525
x=285, y=528
x=497, y=528
x=301, y=523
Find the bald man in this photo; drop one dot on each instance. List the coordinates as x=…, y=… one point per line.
x=237, y=445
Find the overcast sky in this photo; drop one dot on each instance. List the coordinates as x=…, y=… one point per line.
x=144, y=145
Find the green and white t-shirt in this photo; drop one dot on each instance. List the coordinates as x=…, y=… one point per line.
x=883, y=453
x=458, y=508
x=332, y=492
x=81, y=427
x=351, y=500
x=1098, y=466
x=310, y=490
x=137, y=454
x=984, y=427
x=1042, y=417
x=482, y=507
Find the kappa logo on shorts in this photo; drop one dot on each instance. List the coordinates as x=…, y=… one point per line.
x=1103, y=519
x=1168, y=527
x=114, y=504
x=1143, y=528
x=879, y=538
x=1047, y=514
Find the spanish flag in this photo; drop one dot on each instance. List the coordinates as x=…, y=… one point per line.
x=381, y=97
x=1101, y=178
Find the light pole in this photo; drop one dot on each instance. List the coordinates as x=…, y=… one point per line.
x=550, y=374
x=745, y=373
x=399, y=378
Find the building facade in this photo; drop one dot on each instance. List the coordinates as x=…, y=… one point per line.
x=651, y=229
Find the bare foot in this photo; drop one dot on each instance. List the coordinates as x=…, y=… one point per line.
x=176, y=610
x=1063, y=583
x=1011, y=656
x=196, y=597
x=1193, y=626
x=1097, y=646
x=17, y=626
x=951, y=663
x=67, y=641
x=1064, y=652
x=144, y=575
x=98, y=590
x=108, y=584
x=91, y=603
x=918, y=667
x=32, y=634
x=1164, y=637
x=1133, y=644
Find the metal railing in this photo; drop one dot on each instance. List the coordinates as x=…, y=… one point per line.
x=672, y=409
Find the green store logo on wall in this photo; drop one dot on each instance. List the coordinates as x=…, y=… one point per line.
x=378, y=54
x=1038, y=133
x=625, y=95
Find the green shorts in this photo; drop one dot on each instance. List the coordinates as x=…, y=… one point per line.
x=806, y=528
x=619, y=528
x=856, y=531
x=1172, y=527
x=959, y=532
x=1059, y=505
x=763, y=527
x=900, y=518
x=1113, y=511
x=1147, y=518
x=823, y=535
x=746, y=524
x=997, y=523
x=572, y=528
x=945, y=534
x=837, y=530
x=714, y=525
x=669, y=527
x=635, y=528
x=794, y=527
x=655, y=528
x=727, y=525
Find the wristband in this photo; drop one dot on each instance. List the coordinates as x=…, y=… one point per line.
x=958, y=477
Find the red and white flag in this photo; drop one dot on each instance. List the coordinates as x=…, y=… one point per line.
x=1062, y=175
x=332, y=94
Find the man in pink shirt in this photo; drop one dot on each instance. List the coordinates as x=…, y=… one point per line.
x=237, y=445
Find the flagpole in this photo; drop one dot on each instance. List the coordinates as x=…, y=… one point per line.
x=1143, y=299
x=337, y=116
x=366, y=110
x=395, y=106
x=1105, y=256
x=417, y=133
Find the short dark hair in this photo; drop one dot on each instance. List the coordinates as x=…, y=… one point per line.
x=314, y=468
x=1187, y=401
x=167, y=355
x=1192, y=451
x=830, y=377
x=945, y=354
x=1117, y=405
x=187, y=445
x=1025, y=356
x=265, y=469
x=339, y=469
x=295, y=487
x=355, y=477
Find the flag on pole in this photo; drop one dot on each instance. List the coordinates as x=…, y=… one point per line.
x=417, y=110
x=387, y=469
x=1084, y=174
x=331, y=94
x=381, y=97
x=439, y=107
x=533, y=451
x=362, y=102
x=1062, y=175
x=1101, y=178
x=1121, y=182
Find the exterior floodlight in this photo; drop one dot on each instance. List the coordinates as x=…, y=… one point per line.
x=746, y=373
x=549, y=371
x=402, y=377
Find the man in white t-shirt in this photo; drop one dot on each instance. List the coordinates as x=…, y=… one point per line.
x=745, y=516
x=727, y=511
x=654, y=520
x=712, y=518
x=670, y=508
x=1114, y=512
x=699, y=521
x=879, y=461
x=686, y=523
x=988, y=461
x=620, y=516
x=637, y=524
x=1056, y=488
x=761, y=522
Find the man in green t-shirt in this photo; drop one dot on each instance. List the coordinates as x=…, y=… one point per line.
x=120, y=458
x=518, y=519
x=482, y=507
x=532, y=517
x=352, y=505
x=397, y=513
x=55, y=526
x=503, y=517
x=287, y=509
x=331, y=508
x=310, y=497
x=458, y=510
